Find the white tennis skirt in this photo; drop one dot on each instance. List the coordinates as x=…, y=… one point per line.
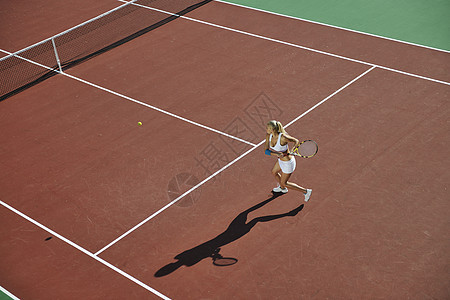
x=287, y=167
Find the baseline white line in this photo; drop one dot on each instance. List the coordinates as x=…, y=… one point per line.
x=5, y=291
x=136, y=101
x=333, y=26
x=102, y=261
x=225, y=167
x=293, y=45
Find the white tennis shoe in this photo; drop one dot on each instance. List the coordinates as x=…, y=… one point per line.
x=308, y=194
x=278, y=189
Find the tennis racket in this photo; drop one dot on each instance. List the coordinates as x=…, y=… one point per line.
x=306, y=149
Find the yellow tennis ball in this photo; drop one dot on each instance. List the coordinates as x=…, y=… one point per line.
x=139, y=123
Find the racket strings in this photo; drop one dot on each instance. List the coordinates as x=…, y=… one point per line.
x=307, y=148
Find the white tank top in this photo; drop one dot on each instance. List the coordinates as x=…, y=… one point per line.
x=278, y=146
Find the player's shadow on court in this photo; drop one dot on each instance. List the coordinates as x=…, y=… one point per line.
x=238, y=228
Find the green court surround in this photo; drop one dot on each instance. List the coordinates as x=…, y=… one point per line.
x=423, y=22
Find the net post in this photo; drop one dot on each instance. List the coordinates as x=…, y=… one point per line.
x=56, y=55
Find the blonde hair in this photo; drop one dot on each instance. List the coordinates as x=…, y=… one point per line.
x=277, y=126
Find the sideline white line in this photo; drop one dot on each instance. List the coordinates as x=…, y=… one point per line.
x=136, y=101
x=102, y=261
x=333, y=26
x=293, y=45
x=225, y=167
x=5, y=291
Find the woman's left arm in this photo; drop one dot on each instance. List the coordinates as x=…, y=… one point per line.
x=291, y=139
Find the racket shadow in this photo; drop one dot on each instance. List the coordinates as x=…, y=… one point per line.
x=237, y=229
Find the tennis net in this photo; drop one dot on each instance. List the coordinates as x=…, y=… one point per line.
x=29, y=66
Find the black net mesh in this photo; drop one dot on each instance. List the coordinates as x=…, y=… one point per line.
x=16, y=72
x=84, y=42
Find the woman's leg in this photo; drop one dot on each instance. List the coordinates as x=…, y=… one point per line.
x=284, y=183
x=276, y=172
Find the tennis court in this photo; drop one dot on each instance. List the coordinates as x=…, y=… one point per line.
x=96, y=206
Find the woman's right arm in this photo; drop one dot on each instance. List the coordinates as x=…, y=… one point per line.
x=267, y=141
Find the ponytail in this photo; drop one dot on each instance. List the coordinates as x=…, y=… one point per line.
x=280, y=128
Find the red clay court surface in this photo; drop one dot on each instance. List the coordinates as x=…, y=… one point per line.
x=74, y=160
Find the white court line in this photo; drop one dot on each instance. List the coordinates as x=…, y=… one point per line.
x=292, y=44
x=177, y=199
x=159, y=109
x=134, y=100
x=333, y=26
x=4, y=291
x=336, y=92
x=102, y=261
x=225, y=167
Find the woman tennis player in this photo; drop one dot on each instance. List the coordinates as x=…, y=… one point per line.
x=277, y=145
